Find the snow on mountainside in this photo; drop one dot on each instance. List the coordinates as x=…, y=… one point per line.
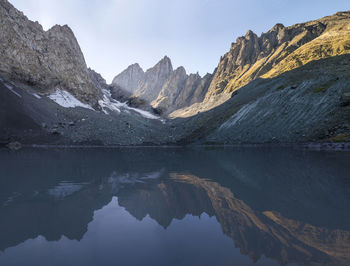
x=65, y=99
x=108, y=104
x=291, y=84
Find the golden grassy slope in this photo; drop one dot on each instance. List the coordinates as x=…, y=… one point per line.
x=334, y=41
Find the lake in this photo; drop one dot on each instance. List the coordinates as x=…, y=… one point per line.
x=174, y=206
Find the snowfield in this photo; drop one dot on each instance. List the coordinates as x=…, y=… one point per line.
x=67, y=100
x=108, y=104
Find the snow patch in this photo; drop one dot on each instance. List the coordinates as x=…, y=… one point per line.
x=36, y=95
x=108, y=103
x=144, y=113
x=12, y=90
x=67, y=100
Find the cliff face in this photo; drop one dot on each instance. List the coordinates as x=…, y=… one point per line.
x=161, y=86
x=279, y=50
x=171, y=89
x=98, y=80
x=182, y=90
x=150, y=86
x=252, y=56
x=129, y=79
x=45, y=60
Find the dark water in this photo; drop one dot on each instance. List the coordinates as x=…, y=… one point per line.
x=174, y=207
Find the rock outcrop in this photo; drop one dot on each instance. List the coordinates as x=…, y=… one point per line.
x=42, y=59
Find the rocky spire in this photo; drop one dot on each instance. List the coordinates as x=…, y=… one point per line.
x=129, y=79
x=154, y=78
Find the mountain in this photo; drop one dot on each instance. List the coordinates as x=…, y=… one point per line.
x=182, y=90
x=150, y=86
x=46, y=60
x=98, y=80
x=52, y=97
x=290, y=85
x=129, y=79
x=162, y=87
x=275, y=52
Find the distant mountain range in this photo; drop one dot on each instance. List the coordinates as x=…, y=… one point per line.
x=291, y=84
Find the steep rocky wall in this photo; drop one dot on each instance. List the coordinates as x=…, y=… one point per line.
x=279, y=50
x=43, y=59
x=129, y=79
x=309, y=104
x=161, y=86
x=182, y=90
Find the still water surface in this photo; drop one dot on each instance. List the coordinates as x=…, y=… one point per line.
x=157, y=206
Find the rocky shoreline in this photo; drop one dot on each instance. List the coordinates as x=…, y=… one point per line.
x=313, y=146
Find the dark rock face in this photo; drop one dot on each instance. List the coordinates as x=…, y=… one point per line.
x=345, y=98
x=44, y=59
x=119, y=93
x=98, y=80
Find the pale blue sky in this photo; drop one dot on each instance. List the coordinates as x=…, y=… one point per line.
x=194, y=33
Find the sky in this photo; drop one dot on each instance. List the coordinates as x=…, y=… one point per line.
x=114, y=34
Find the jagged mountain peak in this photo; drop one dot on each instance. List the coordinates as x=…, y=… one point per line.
x=244, y=63
x=164, y=64
x=181, y=70
x=249, y=34
x=129, y=79
x=166, y=59
x=58, y=27
x=162, y=86
x=135, y=66
x=277, y=27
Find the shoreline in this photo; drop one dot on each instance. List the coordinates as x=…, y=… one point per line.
x=317, y=146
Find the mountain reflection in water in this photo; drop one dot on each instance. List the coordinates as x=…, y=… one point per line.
x=161, y=206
